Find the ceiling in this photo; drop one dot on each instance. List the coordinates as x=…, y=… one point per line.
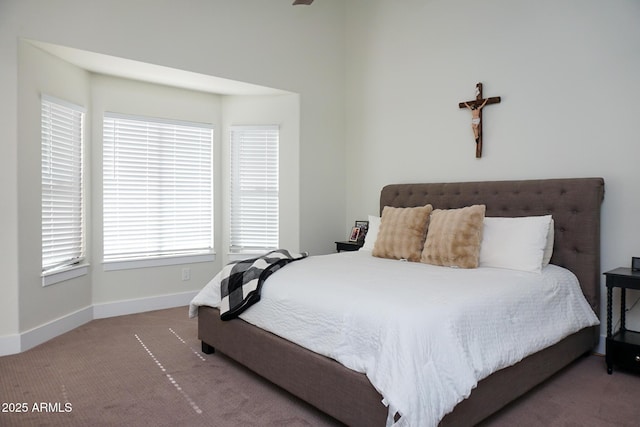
x=136, y=70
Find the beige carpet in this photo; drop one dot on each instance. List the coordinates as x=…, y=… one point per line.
x=137, y=370
x=147, y=369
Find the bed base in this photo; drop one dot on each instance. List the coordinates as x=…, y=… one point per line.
x=348, y=396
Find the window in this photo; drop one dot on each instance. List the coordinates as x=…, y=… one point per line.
x=157, y=189
x=254, y=188
x=62, y=189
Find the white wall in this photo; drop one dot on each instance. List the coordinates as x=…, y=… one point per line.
x=284, y=111
x=9, y=322
x=42, y=73
x=111, y=94
x=567, y=73
x=272, y=44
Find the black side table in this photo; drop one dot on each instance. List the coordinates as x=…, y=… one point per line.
x=348, y=246
x=623, y=347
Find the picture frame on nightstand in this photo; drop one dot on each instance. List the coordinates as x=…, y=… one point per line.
x=355, y=233
x=364, y=227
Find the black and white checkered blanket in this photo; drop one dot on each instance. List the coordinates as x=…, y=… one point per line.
x=241, y=281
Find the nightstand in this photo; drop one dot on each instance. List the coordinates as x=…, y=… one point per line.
x=623, y=347
x=348, y=246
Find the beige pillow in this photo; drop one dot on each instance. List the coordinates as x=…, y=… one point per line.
x=402, y=232
x=454, y=237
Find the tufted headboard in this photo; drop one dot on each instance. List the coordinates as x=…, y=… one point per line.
x=573, y=202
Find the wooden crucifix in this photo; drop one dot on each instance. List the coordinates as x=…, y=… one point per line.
x=476, y=107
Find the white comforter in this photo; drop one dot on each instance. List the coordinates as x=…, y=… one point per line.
x=423, y=335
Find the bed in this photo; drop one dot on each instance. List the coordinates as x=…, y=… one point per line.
x=349, y=396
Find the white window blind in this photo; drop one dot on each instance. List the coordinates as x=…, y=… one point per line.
x=157, y=188
x=254, y=188
x=62, y=184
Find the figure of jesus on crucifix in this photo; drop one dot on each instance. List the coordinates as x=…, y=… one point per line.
x=475, y=118
x=476, y=106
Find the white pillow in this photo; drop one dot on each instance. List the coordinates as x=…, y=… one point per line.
x=372, y=233
x=514, y=243
x=548, y=250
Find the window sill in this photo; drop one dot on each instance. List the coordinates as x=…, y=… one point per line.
x=129, y=264
x=238, y=256
x=52, y=277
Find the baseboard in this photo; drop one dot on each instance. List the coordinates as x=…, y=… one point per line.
x=49, y=330
x=9, y=344
x=12, y=344
x=602, y=346
x=140, y=305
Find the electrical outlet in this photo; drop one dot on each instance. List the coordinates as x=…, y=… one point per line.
x=186, y=274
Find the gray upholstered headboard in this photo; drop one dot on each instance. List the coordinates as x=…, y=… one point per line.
x=574, y=204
